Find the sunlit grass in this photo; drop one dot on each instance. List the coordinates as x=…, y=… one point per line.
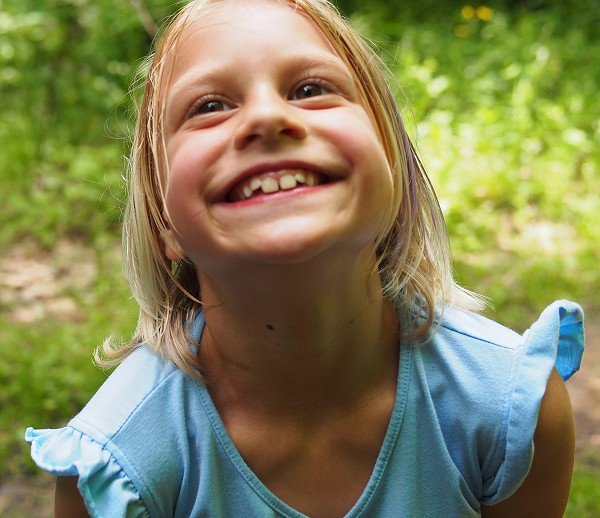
x=46, y=370
x=584, y=501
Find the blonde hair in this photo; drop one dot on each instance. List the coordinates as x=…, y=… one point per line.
x=413, y=250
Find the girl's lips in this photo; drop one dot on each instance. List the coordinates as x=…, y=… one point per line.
x=272, y=182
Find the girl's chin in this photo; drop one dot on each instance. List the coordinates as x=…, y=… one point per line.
x=286, y=250
x=300, y=246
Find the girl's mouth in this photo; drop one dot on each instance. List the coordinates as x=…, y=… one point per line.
x=269, y=183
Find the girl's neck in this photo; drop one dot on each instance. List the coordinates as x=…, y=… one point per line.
x=280, y=338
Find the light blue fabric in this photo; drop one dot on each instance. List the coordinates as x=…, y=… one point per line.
x=151, y=443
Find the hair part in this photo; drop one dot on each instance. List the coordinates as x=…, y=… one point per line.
x=413, y=252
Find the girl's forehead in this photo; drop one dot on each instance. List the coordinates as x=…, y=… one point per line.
x=236, y=10
x=221, y=28
x=260, y=16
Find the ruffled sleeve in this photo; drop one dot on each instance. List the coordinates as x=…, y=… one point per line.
x=556, y=339
x=561, y=326
x=105, y=488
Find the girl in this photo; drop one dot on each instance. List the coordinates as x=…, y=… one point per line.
x=302, y=349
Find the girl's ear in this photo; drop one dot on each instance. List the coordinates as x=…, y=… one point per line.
x=171, y=246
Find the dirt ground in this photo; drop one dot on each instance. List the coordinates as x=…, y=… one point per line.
x=23, y=497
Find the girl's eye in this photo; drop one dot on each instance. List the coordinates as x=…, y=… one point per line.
x=211, y=107
x=309, y=90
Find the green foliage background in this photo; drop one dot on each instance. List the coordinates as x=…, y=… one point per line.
x=501, y=100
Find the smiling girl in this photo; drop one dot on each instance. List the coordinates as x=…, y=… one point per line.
x=302, y=348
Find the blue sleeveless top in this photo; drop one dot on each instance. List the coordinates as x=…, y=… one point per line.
x=151, y=443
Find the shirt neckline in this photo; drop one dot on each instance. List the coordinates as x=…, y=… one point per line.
x=385, y=452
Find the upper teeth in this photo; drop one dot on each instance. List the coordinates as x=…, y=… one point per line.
x=269, y=183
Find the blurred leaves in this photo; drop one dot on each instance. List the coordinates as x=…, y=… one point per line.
x=65, y=70
x=500, y=98
x=505, y=114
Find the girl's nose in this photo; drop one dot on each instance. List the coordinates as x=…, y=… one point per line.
x=266, y=118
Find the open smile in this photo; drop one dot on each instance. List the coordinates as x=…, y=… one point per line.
x=272, y=182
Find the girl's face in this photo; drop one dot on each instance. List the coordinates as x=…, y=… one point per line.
x=272, y=156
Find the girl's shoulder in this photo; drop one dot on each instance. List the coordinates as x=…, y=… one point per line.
x=485, y=383
x=125, y=445
x=556, y=337
x=136, y=385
